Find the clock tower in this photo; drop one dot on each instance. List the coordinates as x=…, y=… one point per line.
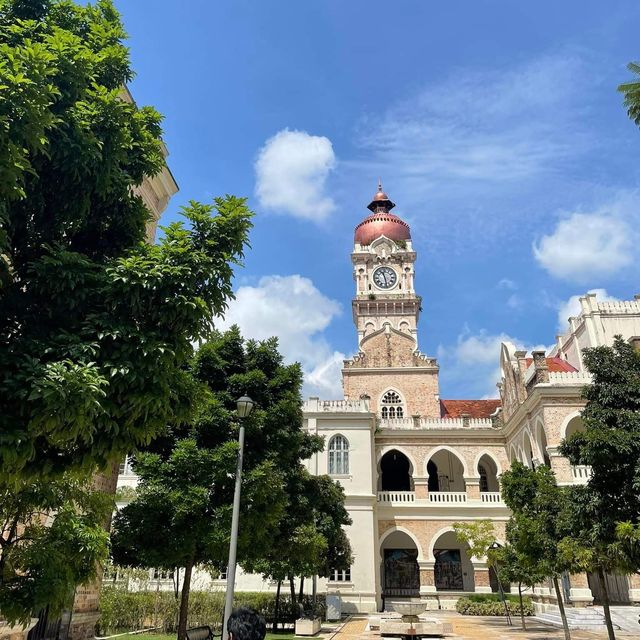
x=385, y=312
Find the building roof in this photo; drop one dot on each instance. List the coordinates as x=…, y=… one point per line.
x=381, y=222
x=555, y=364
x=473, y=408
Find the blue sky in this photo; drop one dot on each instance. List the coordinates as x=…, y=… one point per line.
x=495, y=126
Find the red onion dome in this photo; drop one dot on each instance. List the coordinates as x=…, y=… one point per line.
x=381, y=222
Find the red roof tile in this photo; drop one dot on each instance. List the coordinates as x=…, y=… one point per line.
x=474, y=408
x=555, y=364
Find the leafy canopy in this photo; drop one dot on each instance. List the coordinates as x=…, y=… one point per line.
x=605, y=514
x=52, y=538
x=182, y=511
x=95, y=325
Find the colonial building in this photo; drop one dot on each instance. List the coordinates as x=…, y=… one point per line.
x=413, y=463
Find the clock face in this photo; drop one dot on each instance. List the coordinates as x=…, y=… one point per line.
x=385, y=277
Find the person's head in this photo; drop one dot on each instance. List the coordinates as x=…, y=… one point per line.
x=246, y=624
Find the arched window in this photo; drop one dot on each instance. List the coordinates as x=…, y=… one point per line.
x=484, y=481
x=391, y=406
x=338, y=456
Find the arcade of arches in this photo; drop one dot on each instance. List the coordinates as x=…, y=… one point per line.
x=404, y=573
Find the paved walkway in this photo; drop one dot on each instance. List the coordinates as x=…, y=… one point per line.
x=480, y=628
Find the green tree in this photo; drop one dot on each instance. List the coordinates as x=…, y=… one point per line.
x=604, y=513
x=631, y=92
x=52, y=537
x=181, y=515
x=515, y=565
x=538, y=525
x=95, y=325
x=480, y=537
x=310, y=539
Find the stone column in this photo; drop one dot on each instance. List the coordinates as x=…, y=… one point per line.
x=427, y=578
x=481, y=577
x=540, y=366
x=579, y=590
x=421, y=487
x=634, y=587
x=473, y=489
x=85, y=605
x=560, y=466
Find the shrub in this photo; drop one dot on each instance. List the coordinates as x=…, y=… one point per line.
x=122, y=610
x=490, y=605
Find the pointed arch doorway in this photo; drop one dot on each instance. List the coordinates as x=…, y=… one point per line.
x=400, y=571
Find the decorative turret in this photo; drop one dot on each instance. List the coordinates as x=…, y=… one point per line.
x=381, y=222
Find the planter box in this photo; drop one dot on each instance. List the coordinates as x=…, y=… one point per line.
x=306, y=627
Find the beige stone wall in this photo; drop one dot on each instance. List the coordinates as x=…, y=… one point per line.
x=427, y=532
x=417, y=387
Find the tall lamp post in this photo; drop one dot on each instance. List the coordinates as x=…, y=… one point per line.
x=244, y=407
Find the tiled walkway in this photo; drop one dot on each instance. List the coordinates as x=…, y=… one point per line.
x=480, y=628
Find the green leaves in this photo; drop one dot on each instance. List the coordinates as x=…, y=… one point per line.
x=603, y=515
x=631, y=92
x=52, y=539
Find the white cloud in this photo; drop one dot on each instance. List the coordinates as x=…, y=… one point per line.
x=294, y=310
x=585, y=246
x=488, y=125
x=571, y=307
x=291, y=172
x=474, y=361
x=506, y=283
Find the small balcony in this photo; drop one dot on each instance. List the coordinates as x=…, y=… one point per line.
x=440, y=498
x=396, y=497
x=491, y=497
x=581, y=473
x=448, y=497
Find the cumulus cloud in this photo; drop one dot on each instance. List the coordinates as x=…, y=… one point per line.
x=473, y=363
x=571, y=307
x=291, y=173
x=294, y=310
x=586, y=246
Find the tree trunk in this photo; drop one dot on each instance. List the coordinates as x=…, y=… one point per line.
x=184, y=601
x=292, y=588
x=301, y=592
x=605, y=603
x=563, y=615
x=276, y=613
x=524, y=624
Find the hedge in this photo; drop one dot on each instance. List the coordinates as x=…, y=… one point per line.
x=490, y=605
x=122, y=610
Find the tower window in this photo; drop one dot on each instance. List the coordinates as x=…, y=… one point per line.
x=391, y=406
x=338, y=456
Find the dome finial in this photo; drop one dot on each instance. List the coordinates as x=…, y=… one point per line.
x=381, y=200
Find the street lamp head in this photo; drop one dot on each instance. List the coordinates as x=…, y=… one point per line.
x=495, y=545
x=245, y=406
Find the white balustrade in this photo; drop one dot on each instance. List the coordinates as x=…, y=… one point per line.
x=490, y=496
x=581, y=473
x=335, y=406
x=447, y=497
x=570, y=377
x=395, y=497
x=435, y=423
